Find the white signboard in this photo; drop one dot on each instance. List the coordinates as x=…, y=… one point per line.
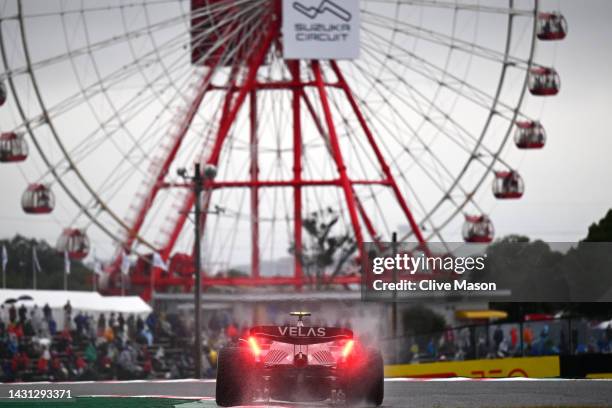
x=321, y=29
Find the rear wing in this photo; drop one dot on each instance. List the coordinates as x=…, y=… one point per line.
x=301, y=335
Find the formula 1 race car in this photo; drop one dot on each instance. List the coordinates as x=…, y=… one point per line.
x=300, y=364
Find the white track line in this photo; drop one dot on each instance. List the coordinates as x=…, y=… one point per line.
x=179, y=398
x=212, y=380
x=147, y=396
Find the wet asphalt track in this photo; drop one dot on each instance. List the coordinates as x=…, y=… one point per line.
x=412, y=393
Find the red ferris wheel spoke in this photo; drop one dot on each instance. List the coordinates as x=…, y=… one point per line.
x=297, y=146
x=379, y=156
x=338, y=158
x=178, y=140
x=231, y=107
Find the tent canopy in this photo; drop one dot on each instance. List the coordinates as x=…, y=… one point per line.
x=79, y=300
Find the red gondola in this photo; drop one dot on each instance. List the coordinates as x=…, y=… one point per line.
x=478, y=229
x=508, y=185
x=544, y=81
x=74, y=241
x=551, y=26
x=3, y=93
x=529, y=135
x=37, y=199
x=13, y=147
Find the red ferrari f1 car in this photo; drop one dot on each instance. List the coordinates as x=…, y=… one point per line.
x=300, y=363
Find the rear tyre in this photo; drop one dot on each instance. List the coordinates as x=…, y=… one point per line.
x=367, y=386
x=234, y=377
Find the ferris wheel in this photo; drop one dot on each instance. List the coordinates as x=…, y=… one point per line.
x=104, y=101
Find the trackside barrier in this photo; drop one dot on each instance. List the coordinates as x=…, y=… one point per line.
x=538, y=367
x=596, y=365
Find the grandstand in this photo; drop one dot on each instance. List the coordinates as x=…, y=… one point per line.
x=62, y=335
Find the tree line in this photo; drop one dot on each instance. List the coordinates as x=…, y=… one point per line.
x=21, y=264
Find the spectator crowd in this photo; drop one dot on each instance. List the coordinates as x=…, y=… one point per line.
x=507, y=340
x=88, y=347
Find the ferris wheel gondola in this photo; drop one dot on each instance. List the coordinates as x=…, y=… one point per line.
x=37, y=199
x=529, y=135
x=551, y=26
x=13, y=147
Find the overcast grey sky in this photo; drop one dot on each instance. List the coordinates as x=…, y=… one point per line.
x=567, y=183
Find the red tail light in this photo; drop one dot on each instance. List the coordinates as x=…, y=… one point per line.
x=254, y=346
x=348, y=347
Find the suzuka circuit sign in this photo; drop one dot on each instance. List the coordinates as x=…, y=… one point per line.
x=321, y=29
